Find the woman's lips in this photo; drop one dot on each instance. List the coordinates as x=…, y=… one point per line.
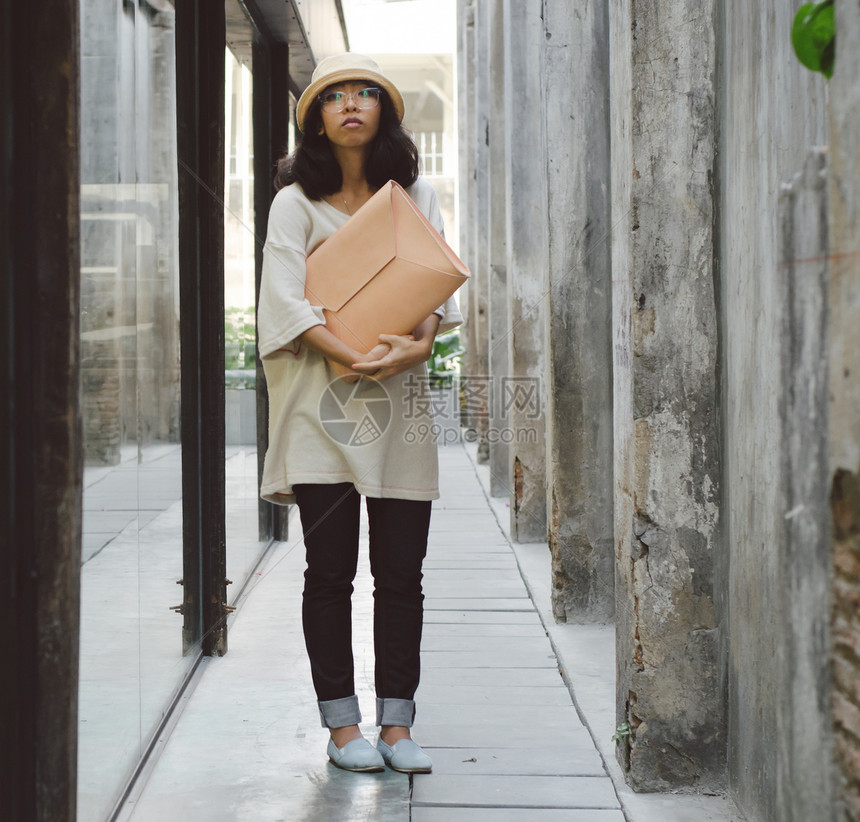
x=352, y=121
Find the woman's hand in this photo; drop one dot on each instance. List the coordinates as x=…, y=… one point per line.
x=375, y=353
x=404, y=352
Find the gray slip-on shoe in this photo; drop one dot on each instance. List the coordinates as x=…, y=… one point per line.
x=357, y=755
x=405, y=756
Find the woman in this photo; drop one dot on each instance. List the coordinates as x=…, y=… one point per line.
x=331, y=441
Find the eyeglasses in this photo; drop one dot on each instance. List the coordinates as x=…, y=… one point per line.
x=335, y=101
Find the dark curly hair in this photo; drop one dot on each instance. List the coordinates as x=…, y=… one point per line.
x=393, y=156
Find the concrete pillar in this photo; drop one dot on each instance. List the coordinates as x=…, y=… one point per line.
x=465, y=131
x=801, y=704
x=497, y=298
x=772, y=112
x=477, y=383
x=579, y=381
x=666, y=426
x=474, y=404
x=521, y=392
x=844, y=387
x=466, y=170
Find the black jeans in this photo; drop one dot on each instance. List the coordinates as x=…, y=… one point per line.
x=398, y=544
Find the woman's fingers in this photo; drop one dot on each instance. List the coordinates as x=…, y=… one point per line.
x=378, y=352
x=395, y=353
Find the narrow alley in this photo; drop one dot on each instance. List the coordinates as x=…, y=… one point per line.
x=494, y=709
x=643, y=577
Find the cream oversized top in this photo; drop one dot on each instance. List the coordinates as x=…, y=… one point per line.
x=375, y=434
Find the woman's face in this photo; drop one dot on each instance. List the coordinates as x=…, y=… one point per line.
x=354, y=126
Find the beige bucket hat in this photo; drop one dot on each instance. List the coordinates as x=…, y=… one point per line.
x=340, y=68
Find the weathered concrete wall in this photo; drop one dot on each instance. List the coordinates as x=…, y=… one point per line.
x=536, y=101
x=724, y=316
x=522, y=394
x=667, y=483
x=480, y=214
x=575, y=70
x=772, y=112
x=497, y=299
x=844, y=410
x=474, y=412
x=805, y=547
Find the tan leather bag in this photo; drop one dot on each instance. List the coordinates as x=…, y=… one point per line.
x=384, y=271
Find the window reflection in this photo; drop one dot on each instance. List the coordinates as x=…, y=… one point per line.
x=131, y=660
x=132, y=663
x=240, y=339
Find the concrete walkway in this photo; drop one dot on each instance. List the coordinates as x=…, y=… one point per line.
x=493, y=709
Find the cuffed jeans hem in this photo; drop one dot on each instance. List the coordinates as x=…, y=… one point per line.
x=338, y=713
x=395, y=711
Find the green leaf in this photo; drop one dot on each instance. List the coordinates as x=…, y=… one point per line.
x=813, y=36
x=621, y=733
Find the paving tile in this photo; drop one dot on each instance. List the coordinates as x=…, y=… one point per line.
x=479, y=604
x=447, y=543
x=516, y=791
x=461, y=617
x=493, y=710
x=91, y=544
x=460, y=732
x=500, y=562
x=284, y=794
x=504, y=645
x=100, y=500
x=477, y=629
x=537, y=720
x=108, y=522
x=509, y=574
x=476, y=530
x=532, y=658
x=525, y=677
x=466, y=529
x=479, y=576
x=542, y=760
x=463, y=502
x=445, y=589
x=262, y=710
x=449, y=814
x=456, y=694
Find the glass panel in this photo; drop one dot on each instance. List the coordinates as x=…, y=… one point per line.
x=131, y=653
x=243, y=542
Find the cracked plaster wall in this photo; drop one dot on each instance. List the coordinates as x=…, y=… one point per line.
x=526, y=264
x=575, y=68
x=666, y=400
